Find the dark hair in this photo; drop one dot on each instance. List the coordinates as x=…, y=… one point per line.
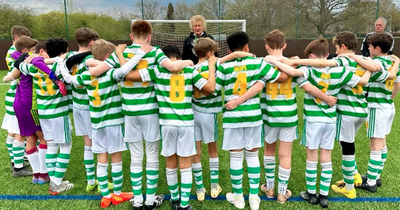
x=172, y=51
x=318, y=47
x=85, y=35
x=237, y=41
x=41, y=45
x=381, y=40
x=56, y=47
x=347, y=39
x=275, y=39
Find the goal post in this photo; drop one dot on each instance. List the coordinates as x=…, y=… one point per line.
x=174, y=32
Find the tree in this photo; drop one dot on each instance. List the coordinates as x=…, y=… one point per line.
x=152, y=9
x=324, y=13
x=212, y=9
x=170, y=16
x=182, y=11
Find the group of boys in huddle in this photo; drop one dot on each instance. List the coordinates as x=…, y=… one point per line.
x=120, y=96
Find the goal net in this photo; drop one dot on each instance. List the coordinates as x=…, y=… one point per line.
x=174, y=32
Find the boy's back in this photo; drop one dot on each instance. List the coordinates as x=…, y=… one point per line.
x=236, y=77
x=138, y=98
x=329, y=81
x=352, y=101
x=50, y=102
x=174, y=93
x=380, y=88
x=206, y=104
x=103, y=91
x=79, y=94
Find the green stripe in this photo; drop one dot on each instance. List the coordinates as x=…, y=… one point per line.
x=338, y=126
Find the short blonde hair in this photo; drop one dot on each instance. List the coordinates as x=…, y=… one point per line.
x=196, y=18
x=101, y=48
x=205, y=45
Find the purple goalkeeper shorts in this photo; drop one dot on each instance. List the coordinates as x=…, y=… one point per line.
x=28, y=120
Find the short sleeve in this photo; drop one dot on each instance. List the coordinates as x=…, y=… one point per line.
x=112, y=61
x=160, y=56
x=198, y=80
x=268, y=73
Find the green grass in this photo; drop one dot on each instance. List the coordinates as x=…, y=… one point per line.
x=76, y=175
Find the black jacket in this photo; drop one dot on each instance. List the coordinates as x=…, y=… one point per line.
x=188, y=51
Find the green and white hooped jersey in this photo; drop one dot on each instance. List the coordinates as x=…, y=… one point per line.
x=10, y=95
x=279, y=104
x=138, y=98
x=380, y=88
x=69, y=86
x=352, y=101
x=236, y=77
x=79, y=94
x=50, y=102
x=329, y=80
x=174, y=93
x=206, y=104
x=104, y=99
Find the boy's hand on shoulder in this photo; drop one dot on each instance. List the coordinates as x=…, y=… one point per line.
x=146, y=48
x=295, y=57
x=395, y=58
x=270, y=59
x=120, y=48
x=212, y=59
x=232, y=104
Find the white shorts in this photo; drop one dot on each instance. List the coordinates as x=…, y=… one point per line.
x=205, y=127
x=285, y=134
x=347, y=127
x=318, y=135
x=145, y=127
x=57, y=129
x=242, y=138
x=83, y=126
x=177, y=140
x=10, y=123
x=108, y=140
x=379, y=122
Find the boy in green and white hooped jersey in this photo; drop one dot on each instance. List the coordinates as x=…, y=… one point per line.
x=85, y=38
x=140, y=108
x=16, y=148
x=53, y=116
x=107, y=118
x=380, y=107
x=279, y=112
x=320, y=118
x=174, y=93
x=205, y=109
x=243, y=126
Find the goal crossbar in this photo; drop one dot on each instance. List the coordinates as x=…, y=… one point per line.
x=243, y=22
